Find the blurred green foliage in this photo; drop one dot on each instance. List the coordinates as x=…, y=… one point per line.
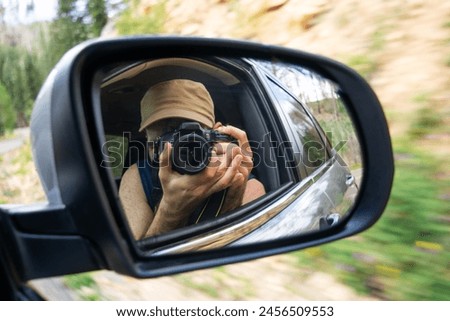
x=21, y=77
x=405, y=255
x=72, y=26
x=365, y=65
x=427, y=119
x=98, y=16
x=152, y=21
x=23, y=67
x=7, y=113
x=77, y=281
x=84, y=285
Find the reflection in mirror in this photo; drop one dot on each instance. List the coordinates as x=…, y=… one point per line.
x=209, y=152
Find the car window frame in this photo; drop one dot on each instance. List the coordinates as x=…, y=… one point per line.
x=267, y=78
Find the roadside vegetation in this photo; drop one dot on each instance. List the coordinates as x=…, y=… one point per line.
x=148, y=20
x=84, y=285
x=28, y=53
x=416, y=221
x=19, y=182
x=414, y=227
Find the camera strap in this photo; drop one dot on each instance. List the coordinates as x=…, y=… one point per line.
x=209, y=209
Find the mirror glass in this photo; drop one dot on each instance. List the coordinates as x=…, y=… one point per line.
x=208, y=152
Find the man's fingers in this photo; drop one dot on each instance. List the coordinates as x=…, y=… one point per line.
x=220, y=148
x=214, y=161
x=247, y=162
x=165, y=166
x=240, y=135
x=232, y=171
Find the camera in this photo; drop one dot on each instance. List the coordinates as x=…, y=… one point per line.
x=191, y=147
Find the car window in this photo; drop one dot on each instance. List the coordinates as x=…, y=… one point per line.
x=310, y=150
x=115, y=150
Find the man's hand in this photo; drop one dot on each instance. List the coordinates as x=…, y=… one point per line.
x=237, y=190
x=229, y=167
x=182, y=194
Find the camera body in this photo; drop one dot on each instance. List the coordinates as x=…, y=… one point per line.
x=191, y=147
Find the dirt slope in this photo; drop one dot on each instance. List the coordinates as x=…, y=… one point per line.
x=402, y=44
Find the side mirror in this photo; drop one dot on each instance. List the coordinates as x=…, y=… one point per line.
x=319, y=140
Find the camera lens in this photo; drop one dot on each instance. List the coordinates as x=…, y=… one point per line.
x=190, y=154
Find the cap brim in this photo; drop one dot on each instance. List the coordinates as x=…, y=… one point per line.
x=176, y=113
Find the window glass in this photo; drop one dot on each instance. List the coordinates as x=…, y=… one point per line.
x=311, y=150
x=115, y=149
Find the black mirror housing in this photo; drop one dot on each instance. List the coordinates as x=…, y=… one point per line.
x=82, y=227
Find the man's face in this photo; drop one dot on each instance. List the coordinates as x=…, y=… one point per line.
x=162, y=126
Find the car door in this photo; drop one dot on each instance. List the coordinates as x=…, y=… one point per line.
x=315, y=159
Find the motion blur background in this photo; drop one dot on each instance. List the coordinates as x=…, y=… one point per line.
x=402, y=47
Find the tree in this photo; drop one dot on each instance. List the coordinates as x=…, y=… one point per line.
x=68, y=29
x=99, y=16
x=21, y=78
x=7, y=114
x=22, y=71
x=76, y=21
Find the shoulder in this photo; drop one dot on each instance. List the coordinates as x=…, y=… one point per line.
x=132, y=171
x=255, y=183
x=134, y=202
x=130, y=178
x=253, y=190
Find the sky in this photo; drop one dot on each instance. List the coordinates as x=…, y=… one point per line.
x=43, y=10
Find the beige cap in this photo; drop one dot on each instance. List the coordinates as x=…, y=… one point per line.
x=179, y=98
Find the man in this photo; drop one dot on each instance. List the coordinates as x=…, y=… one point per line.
x=163, y=108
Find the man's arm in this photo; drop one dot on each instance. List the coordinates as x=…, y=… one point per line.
x=134, y=202
x=142, y=220
x=182, y=194
x=254, y=190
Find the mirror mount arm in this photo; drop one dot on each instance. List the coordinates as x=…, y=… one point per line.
x=42, y=241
